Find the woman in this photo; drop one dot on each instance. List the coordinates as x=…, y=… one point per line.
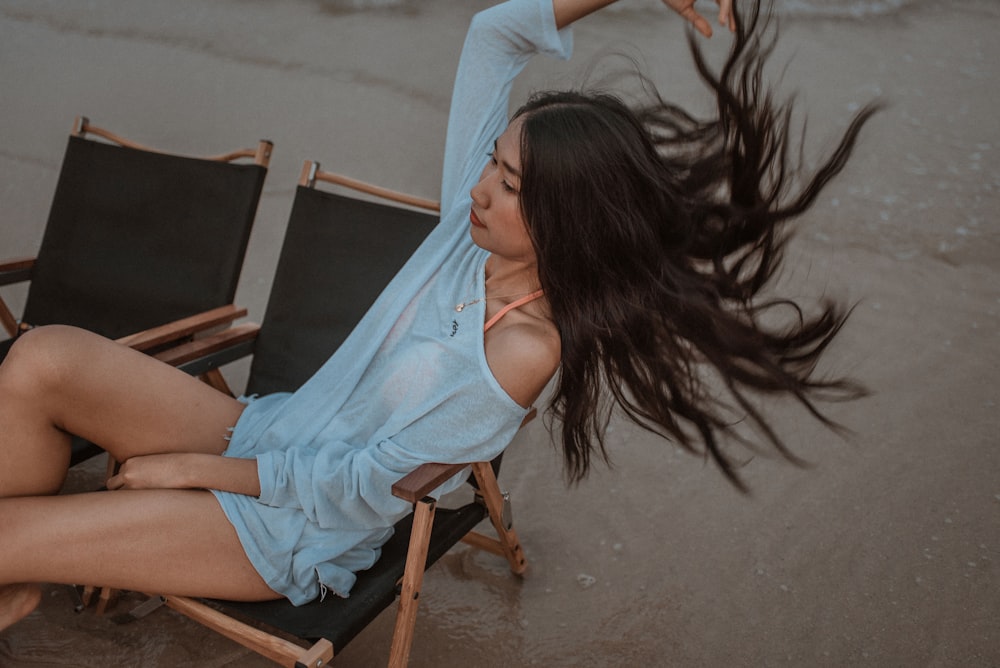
x=623, y=250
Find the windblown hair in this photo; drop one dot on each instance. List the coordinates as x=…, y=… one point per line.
x=655, y=234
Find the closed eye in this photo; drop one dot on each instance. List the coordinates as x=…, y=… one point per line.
x=503, y=182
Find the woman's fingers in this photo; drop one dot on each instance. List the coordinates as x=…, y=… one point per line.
x=726, y=17
x=697, y=20
x=686, y=8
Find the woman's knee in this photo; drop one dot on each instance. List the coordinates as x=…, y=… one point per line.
x=42, y=356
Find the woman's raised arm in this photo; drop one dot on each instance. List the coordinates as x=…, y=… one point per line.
x=568, y=11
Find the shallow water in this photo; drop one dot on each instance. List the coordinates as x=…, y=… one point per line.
x=794, y=8
x=841, y=8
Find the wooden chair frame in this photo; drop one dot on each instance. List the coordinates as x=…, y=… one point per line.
x=261, y=154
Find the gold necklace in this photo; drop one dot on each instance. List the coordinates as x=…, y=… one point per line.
x=461, y=307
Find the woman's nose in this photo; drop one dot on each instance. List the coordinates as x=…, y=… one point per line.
x=479, y=191
x=477, y=194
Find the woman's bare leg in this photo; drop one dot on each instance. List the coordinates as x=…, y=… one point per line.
x=60, y=380
x=155, y=541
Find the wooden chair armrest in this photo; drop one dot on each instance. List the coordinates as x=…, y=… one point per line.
x=208, y=345
x=16, y=270
x=425, y=479
x=183, y=328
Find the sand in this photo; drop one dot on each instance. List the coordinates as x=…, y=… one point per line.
x=883, y=552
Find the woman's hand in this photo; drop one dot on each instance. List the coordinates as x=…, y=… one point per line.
x=188, y=470
x=568, y=11
x=686, y=9
x=166, y=471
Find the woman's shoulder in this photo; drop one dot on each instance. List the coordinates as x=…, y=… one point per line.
x=523, y=351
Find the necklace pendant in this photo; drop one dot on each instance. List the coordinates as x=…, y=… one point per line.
x=461, y=307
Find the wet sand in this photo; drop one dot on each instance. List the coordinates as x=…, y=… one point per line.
x=883, y=552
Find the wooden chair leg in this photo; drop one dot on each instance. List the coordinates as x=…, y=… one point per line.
x=214, y=378
x=7, y=319
x=413, y=577
x=509, y=545
x=87, y=596
x=106, y=600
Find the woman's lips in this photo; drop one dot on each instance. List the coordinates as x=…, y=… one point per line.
x=474, y=219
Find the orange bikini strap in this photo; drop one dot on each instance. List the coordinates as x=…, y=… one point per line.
x=511, y=306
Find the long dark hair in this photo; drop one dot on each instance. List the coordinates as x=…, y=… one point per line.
x=655, y=235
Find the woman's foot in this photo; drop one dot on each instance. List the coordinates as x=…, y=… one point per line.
x=17, y=601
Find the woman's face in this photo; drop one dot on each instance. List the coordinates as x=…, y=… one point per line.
x=497, y=224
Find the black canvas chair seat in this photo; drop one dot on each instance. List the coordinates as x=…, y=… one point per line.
x=338, y=254
x=339, y=620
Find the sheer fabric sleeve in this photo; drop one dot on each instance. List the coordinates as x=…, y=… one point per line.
x=340, y=486
x=500, y=42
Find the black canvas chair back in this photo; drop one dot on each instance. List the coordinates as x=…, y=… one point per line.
x=136, y=238
x=338, y=254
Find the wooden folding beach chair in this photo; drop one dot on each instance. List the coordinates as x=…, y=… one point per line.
x=137, y=238
x=351, y=248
